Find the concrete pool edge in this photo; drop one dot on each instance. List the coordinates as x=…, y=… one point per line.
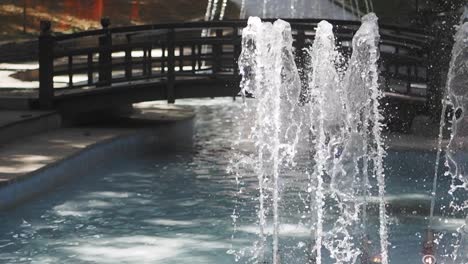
x=173, y=134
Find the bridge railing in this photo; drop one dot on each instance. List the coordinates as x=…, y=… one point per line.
x=109, y=57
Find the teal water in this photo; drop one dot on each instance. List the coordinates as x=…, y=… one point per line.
x=176, y=208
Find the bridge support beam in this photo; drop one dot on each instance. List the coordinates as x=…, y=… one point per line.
x=217, y=53
x=105, y=54
x=46, y=66
x=170, y=74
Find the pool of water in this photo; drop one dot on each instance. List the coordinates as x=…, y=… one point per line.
x=177, y=208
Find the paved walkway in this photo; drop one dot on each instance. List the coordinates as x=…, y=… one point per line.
x=20, y=158
x=8, y=71
x=9, y=117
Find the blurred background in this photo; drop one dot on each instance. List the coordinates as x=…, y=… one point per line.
x=20, y=18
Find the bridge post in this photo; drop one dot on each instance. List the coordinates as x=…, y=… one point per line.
x=128, y=59
x=46, y=66
x=105, y=54
x=237, y=50
x=170, y=74
x=236, y=40
x=217, y=53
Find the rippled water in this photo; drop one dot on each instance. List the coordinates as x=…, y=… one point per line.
x=177, y=207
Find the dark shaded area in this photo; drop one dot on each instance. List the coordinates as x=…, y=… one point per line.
x=416, y=13
x=20, y=18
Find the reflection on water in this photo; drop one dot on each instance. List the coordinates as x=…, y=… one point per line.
x=177, y=208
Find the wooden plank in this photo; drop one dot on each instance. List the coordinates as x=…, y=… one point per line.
x=70, y=71
x=90, y=67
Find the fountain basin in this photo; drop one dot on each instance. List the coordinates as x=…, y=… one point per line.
x=176, y=207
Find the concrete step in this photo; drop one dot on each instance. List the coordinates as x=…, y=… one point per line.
x=15, y=125
x=14, y=103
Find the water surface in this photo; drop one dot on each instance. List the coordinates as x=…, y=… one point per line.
x=177, y=208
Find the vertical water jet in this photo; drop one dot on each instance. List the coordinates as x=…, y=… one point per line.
x=271, y=77
x=343, y=117
x=457, y=91
x=365, y=119
x=325, y=121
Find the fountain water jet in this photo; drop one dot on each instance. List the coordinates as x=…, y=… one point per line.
x=346, y=122
x=343, y=119
x=325, y=122
x=363, y=74
x=293, y=8
x=457, y=97
x=270, y=75
x=457, y=92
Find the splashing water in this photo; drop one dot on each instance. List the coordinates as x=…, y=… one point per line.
x=264, y=8
x=363, y=95
x=342, y=118
x=458, y=95
x=208, y=10
x=339, y=9
x=455, y=96
x=457, y=92
x=326, y=126
x=346, y=144
x=270, y=75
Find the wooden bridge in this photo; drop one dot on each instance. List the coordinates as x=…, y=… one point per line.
x=94, y=69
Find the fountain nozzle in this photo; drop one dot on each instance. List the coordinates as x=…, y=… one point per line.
x=366, y=258
x=429, y=246
x=375, y=259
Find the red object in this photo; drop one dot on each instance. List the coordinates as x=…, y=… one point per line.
x=135, y=12
x=98, y=10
